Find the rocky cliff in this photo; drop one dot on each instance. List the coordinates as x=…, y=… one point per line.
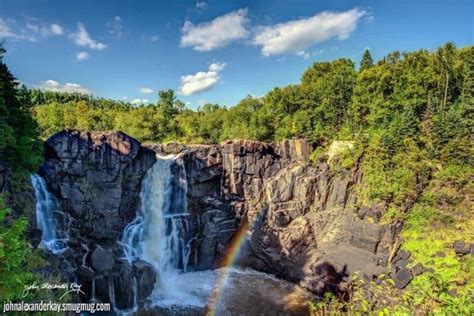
x=96, y=178
x=301, y=221
x=305, y=222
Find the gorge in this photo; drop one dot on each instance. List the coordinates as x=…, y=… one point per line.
x=161, y=227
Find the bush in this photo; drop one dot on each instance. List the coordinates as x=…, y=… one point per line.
x=14, y=254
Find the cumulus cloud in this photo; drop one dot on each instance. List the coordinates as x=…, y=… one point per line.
x=201, y=81
x=217, y=33
x=139, y=101
x=201, y=5
x=82, y=38
x=80, y=56
x=144, y=90
x=296, y=36
x=51, y=85
x=115, y=27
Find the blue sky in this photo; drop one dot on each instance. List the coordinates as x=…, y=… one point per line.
x=210, y=50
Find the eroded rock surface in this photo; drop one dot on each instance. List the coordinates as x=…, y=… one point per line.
x=96, y=178
x=304, y=221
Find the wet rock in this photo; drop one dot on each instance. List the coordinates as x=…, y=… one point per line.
x=403, y=278
x=101, y=291
x=35, y=236
x=102, y=259
x=461, y=248
x=124, y=287
x=145, y=278
x=85, y=272
x=68, y=253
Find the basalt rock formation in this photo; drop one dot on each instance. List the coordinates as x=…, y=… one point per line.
x=96, y=178
x=302, y=221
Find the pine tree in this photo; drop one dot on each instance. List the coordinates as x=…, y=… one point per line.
x=366, y=61
x=19, y=145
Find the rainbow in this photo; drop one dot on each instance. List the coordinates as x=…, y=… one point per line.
x=226, y=264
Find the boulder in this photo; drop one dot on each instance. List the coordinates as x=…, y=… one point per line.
x=417, y=269
x=102, y=259
x=403, y=278
x=145, y=277
x=461, y=248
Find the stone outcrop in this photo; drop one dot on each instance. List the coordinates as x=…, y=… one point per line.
x=96, y=178
x=304, y=220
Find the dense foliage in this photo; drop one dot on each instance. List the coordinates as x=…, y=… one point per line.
x=20, y=154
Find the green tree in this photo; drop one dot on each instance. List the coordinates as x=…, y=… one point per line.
x=19, y=151
x=366, y=61
x=18, y=131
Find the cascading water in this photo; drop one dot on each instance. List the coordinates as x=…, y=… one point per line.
x=158, y=233
x=46, y=207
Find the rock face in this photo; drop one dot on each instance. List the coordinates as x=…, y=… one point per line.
x=303, y=221
x=96, y=178
x=300, y=221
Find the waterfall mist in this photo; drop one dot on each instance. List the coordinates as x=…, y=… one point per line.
x=158, y=234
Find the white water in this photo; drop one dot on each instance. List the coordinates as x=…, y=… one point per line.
x=158, y=233
x=46, y=206
x=158, y=236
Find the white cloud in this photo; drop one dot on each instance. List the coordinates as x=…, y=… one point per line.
x=82, y=38
x=115, y=27
x=144, y=90
x=217, y=33
x=139, y=101
x=201, y=81
x=201, y=5
x=51, y=85
x=5, y=30
x=154, y=38
x=216, y=67
x=30, y=31
x=82, y=56
x=295, y=37
x=56, y=29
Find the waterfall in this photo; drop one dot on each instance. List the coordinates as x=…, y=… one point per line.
x=46, y=207
x=158, y=233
